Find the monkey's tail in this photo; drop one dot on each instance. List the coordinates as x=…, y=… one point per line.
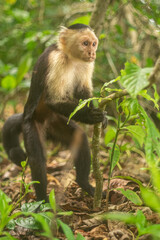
x=10, y=138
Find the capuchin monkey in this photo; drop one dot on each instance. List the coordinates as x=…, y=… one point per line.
x=61, y=77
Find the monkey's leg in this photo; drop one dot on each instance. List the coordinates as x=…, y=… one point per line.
x=74, y=137
x=10, y=138
x=36, y=158
x=82, y=158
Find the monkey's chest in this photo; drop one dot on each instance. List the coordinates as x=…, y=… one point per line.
x=62, y=84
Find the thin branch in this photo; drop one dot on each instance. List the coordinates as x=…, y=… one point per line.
x=98, y=15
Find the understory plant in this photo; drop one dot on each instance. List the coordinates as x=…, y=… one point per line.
x=132, y=120
x=135, y=81
x=46, y=222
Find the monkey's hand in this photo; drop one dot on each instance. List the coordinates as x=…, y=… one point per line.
x=95, y=115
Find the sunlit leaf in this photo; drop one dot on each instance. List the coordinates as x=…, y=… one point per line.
x=11, y=1
x=9, y=82
x=84, y=20
x=134, y=78
x=145, y=95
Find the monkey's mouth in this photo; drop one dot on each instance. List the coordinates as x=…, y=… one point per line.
x=91, y=59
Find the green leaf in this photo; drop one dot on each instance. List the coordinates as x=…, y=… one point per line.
x=8, y=237
x=31, y=207
x=150, y=198
x=5, y=208
x=155, y=171
x=124, y=217
x=29, y=222
x=44, y=207
x=43, y=219
x=66, y=229
x=23, y=68
x=145, y=95
x=137, y=132
x=11, y=224
x=130, y=178
x=116, y=156
x=9, y=82
x=154, y=230
x=141, y=221
x=132, y=196
x=152, y=143
x=23, y=164
x=110, y=135
x=80, y=237
x=156, y=95
x=69, y=213
x=134, y=78
x=52, y=200
x=84, y=20
x=110, y=82
x=130, y=106
x=80, y=106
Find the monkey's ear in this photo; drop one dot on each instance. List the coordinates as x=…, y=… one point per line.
x=62, y=35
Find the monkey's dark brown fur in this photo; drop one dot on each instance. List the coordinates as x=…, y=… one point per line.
x=61, y=77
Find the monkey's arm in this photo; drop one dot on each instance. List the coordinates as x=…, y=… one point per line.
x=87, y=114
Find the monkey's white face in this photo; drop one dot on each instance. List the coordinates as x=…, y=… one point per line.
x=77, y=44
x=84, y=46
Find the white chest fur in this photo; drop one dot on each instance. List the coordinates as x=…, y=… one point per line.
x=66, y=75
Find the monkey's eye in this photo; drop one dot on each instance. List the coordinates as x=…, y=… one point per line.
x=94, y=44
x=85, y=43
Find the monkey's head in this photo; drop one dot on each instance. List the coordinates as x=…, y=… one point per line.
x=78, y=41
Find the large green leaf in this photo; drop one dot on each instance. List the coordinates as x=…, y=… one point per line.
x=131, y=195
x=134, y=78
x=152, y=143
x=137, y=132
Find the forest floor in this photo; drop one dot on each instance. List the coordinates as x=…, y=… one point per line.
x=70, y=197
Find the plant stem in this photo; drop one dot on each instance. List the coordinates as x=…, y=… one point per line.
x=111, y=161
x=96, y=166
